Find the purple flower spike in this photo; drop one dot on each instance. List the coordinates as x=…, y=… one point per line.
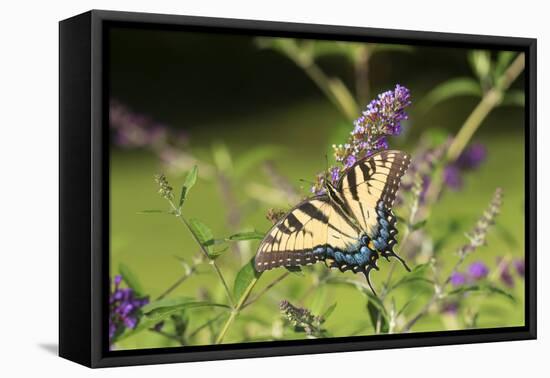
x=458, y=279
x=382, y=117
x=351, y=159
x=504, y=273
x=472, y=157
x=124, y=309
x=519, y=265
x=450, y=308
x=478, y=270
x=452, y=177
x=334, y=174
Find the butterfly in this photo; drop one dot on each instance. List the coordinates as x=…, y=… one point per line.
x=348, y=227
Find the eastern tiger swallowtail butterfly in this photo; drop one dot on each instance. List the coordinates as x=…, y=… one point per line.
x=349, y=227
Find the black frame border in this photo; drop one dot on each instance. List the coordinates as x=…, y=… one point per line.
x=84, y=246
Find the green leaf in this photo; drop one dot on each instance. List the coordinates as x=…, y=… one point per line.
x=482, y=289
x=318, y=300
x=189, y=182
x=131, y=279
x=346, y=100
x=151, y=212
x=460, y=86
x=420, y=224
x=329, y=311
x=506, y=235
x=406, y=305
x=480, y=61
x=406, y=280
x=388, y=47
x=514, y=97
x=202, y=233
x=165, y=302
x=377, y=316
x=504, y=58
x=244, y=281
x=363, y=288
x=255, y=157
x=420, y=268
x=222, y=158
x=215, y=254
x=248, y=235
x=160, y=312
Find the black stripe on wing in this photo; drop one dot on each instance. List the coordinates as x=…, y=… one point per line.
x=291, y=241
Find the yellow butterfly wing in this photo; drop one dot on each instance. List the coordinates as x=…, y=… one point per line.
x=370, y=185
x=312, y=224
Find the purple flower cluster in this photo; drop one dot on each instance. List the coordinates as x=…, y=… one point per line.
x=470, y=159
x=504, y=268
x=423, y=163
x=302, y=318
x=124, y=309
x=476, y=271
x=134, y=130
x=382, y=118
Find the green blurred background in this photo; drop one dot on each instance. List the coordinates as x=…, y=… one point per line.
x=228, y=97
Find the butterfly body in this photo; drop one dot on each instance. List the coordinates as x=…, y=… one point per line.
x=349, y=227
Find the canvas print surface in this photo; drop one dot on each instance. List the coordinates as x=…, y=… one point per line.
x=266, y=189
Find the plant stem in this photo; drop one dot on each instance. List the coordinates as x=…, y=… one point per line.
x=169, y=336
x=211, y=261
x=361, y=66
x=490, y=100
x=224, y=282
x=266, y=289
x=333, y=88
x=436, y=296
x=236, y=310
x=204, y=325
x=178, y=282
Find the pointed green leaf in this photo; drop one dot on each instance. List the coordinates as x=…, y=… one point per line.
x=244, y=281
x=151, y=212
x=215, y=254
x=131, y=279
x=318, y=300
x=377, y=317
x=254, y=157
x=189, y=182
x=514, y=97
x=249, y=235
x=483, y=289
x=160, y=313
x=165, y=302
x=480, y=61
x=203, y=234
x=419, y=225
x=222, y=158
x=461, y=86
x=329, y=311
x=504, y=58
x=389, y=47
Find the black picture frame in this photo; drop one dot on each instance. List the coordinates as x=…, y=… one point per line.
x=84, y=189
